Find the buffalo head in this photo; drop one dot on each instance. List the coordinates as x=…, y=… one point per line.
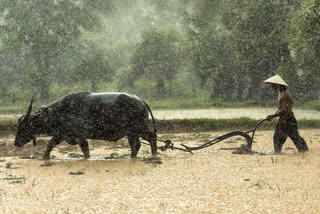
x=25, y=129
x=32, y=124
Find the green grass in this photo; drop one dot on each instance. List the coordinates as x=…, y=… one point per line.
x=18, y=109
x=238, y=124
x=179, y=103
x=207, y=103
x=8, y=125
x=11, y=109
x=197, y=125
x=203, y=103
x=312, y=105
x=309, y=124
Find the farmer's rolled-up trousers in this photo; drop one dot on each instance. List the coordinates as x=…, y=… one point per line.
x=288, y=128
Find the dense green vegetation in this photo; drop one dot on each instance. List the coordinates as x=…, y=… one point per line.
x=183, y=104
x=189, y=53
x=198, y=125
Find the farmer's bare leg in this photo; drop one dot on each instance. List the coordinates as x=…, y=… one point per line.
x=52, y=143
x=135, y=144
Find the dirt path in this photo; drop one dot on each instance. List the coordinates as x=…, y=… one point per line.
x=212, y=180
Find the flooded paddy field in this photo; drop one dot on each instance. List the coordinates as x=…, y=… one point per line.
x=229, y=113
x=212, y=180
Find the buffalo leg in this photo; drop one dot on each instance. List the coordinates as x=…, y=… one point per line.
x=152, y=139
x=84, y=148
x=134, y=145
x=52, y=143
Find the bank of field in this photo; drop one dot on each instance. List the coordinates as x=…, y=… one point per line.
x=214, y=119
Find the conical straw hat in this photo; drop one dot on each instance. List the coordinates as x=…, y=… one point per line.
x=276, y=79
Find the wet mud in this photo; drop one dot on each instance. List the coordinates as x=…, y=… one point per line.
x=223, y=178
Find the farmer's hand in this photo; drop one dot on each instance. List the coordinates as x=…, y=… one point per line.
x=269, y=117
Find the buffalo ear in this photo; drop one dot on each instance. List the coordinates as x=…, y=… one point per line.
x=43, y=115
x=47, y=113
x=29, y=109
x=34, y=119
x=52, y=112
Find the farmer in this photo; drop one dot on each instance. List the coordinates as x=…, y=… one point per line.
x=287, y=124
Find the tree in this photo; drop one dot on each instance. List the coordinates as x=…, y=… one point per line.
x=40, y=31
x=211, y=52
x=157, y=57
x=305, y=42
x=213, y=60
x=95, y=68
x=261, y=40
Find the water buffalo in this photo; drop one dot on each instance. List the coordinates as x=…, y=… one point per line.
x=77, y=117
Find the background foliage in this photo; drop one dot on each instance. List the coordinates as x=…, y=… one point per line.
x=203, y=50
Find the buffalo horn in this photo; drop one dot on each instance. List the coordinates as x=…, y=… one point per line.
x=29, y=109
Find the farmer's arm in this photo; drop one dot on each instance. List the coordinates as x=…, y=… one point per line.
x=284, y=106
x=277, y=114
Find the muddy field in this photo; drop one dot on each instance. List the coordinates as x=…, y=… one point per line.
x=212, y=180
